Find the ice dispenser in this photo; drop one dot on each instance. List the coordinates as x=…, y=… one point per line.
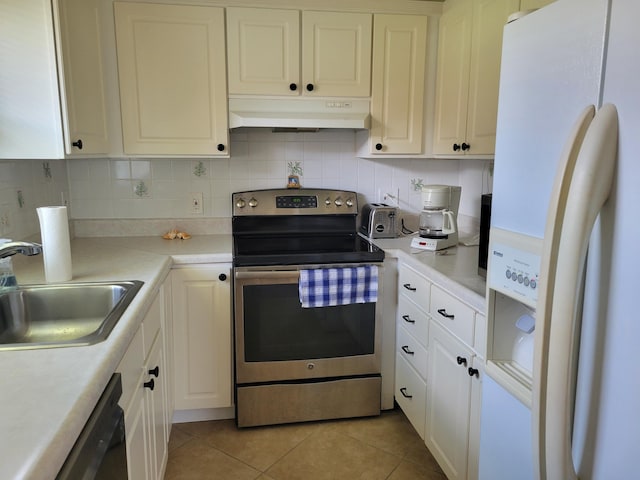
x=513, y=277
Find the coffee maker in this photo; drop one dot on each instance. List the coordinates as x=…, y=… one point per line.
x=439, y=217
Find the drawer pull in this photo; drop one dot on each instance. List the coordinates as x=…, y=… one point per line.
x=155, y=371
x=444, y=313
x=150, y=384
x=473, y=372
x=408, y=319
x=404, y=393
x=409, y=287
x=461, y=361
x=405, y=349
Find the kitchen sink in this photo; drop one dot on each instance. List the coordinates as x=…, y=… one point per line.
x=60, y=315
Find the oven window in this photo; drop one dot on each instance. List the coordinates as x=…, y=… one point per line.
x=277, y=328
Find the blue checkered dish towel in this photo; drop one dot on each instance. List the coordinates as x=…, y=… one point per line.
x=326, y=287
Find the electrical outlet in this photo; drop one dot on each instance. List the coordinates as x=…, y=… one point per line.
x=196, y=203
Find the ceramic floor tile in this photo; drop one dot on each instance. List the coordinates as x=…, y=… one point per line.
x=259, y=447
x=412, y=471
x=391, y=432
x=419, y=454
x=196, y=460
x=328, y=455
x=178, y=438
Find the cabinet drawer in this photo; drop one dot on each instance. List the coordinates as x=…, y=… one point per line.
x=413, y=319
x=414, y=286
x=454, y=315
x=411, y=394
x=414, y=353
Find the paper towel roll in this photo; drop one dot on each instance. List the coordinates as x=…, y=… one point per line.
x=56, y=246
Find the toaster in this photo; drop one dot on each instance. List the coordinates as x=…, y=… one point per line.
x=378, y=220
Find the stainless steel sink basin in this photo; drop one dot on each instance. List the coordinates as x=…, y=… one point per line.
x=72, y=314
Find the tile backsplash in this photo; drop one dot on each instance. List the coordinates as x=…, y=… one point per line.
x=162, y=188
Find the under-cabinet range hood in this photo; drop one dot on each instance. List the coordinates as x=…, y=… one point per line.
x=299, y=113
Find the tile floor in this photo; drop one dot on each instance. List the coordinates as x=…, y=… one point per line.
x=385, y=447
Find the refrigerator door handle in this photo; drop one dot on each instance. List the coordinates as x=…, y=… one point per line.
x=579, y=193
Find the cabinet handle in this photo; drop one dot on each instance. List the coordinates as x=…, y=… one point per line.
x=405, y=349
x=408, y=319
x=77, y=143
x=220, y=147
x=404, y=393
x=456, y=147
x=150, y=384
x=461, y=361
x=155, y=371
x=465, y=147
x=378, y=146
x=409, y=287
x=222, y=277
x=473, y=372
x=293, y=87
x=444, y=313
x=310, y=87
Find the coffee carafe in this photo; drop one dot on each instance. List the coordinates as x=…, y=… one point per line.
x=438, y=227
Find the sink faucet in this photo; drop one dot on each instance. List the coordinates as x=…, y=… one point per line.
x=25, y=248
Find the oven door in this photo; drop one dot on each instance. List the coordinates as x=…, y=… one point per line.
x=276, y=339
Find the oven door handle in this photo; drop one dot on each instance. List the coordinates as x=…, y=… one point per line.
x=267, y=274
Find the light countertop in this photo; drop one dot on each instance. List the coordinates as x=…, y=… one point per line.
x=47, y=395
x=455, y=269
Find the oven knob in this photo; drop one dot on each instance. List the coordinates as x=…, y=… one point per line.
x=253, y=203
x=349, y=202
x=327, y=201
x=338, y=202
x=241, y=203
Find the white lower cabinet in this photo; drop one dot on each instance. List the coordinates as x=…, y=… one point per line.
x=449, y=401
x=438, y=371
x=145, y=397
x=202, y=336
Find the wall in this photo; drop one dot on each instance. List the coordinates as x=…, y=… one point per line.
x=130, y=188
x=161, y=188
x=25, y=185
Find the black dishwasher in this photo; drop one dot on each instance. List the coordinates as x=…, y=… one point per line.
x=100, y=451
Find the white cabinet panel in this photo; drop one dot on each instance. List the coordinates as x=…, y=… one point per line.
x=411, y=394
x=202, y=336
x=173, y=89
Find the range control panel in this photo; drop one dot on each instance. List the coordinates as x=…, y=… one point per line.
x=302, y=201
x=514, y=271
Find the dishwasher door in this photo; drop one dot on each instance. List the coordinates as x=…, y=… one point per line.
x=100, y=451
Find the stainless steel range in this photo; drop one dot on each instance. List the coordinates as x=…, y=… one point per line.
x=297, y=361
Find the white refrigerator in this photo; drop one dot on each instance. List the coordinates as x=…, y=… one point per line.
x=572, y=408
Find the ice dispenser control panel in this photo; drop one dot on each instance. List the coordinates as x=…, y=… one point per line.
x=514, y=272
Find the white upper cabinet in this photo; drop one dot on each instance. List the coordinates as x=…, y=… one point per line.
x=468, y=75
x=51, y=86
x=531, y=4
x=285, y=52
x=171, y=66
x=398, y=88
x=263, y=51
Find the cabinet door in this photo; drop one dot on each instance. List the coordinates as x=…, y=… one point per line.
x=397, y=90
x=173, y=92
x=83, y=96
x=263, y=50
x=489, y=19
x=136, y=426
x=202, y=336
x=448, y=402
x=452, y=81
x=336, y=54
x=155, y=407
x=410, y=393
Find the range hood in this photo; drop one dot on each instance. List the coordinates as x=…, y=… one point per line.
x=299, y=113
